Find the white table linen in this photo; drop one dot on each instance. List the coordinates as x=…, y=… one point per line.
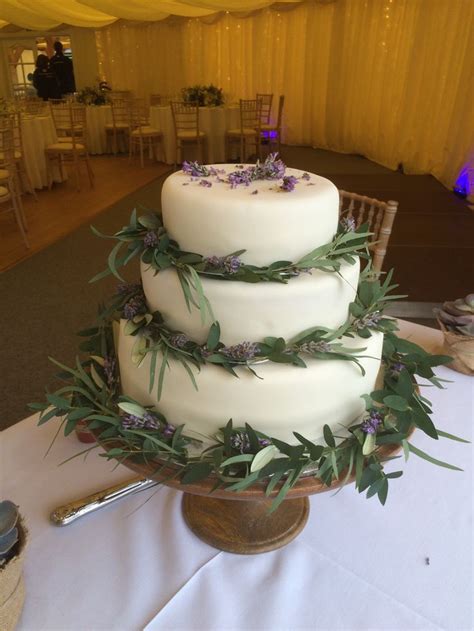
x=98, y=116
x=213, y=121
x=356, y=565
x=37, y=133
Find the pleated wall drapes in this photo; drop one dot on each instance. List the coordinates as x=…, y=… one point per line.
x=390, y=79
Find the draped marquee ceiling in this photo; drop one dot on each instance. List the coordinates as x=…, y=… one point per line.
x=40, y=15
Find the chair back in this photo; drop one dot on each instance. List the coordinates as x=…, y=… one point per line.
x=250, y=114
x=281, y=103
x=185, y=117
x=379, y=216
x=7, y=143
x=70, y=121
x=34, y=107
x=139, y=115
x=155, y=99
x=266, y=110
x=121, y=112
x=120, y=94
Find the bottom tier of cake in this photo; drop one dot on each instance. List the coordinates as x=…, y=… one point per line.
x=284, y=399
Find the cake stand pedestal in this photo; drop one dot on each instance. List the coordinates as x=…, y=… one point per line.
x=240, y=522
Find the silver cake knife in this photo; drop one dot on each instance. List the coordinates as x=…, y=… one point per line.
x=64, y=515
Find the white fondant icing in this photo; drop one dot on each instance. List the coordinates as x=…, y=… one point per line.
x=286, y=399
x=271, y=225
x=253, y=311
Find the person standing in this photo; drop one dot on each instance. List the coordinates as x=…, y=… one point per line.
x=63, y=69
x=44, y=80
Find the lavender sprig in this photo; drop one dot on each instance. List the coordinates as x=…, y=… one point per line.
x=371, y=424
x=135, y=306
x=194, y=169
x=241, y=352
x=289, y=183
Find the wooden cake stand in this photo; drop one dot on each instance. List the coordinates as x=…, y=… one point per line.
x=239, y=522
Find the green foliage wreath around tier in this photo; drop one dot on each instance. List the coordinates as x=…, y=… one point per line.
x=239, y=457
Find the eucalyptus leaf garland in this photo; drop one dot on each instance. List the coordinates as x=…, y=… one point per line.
x=240, y=457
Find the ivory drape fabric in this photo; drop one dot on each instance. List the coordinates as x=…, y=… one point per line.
x=390, y=79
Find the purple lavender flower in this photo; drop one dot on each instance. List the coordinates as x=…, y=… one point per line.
x=232, y=264
x=109, y=369
x=178, y=340
x=371, y=424
x=315, y=347
x=348, y=224
x=150, y=421
x=306, y=176
x=205, y=183
x=216, y=172
x=195, y=169
x=369, y=321
x=240, y=442
x=129, y=288
x=395, y=369
x=240, y=177
x=129, y=421
x=289, y=183
x=135, y=306
x=271, y=169
x=169, y=430
x=241, y=352
x=205, y=352
x=151, y=239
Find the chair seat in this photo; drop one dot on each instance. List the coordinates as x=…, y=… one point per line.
x=187, y=134
x=4, y=174
x=111, y=126
x=268, y=128
x=246, y=131
x=146, y=130
x=4, y=192
x=68, y=127
x=64, y=147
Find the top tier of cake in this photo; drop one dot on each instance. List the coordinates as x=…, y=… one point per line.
x=269, y=223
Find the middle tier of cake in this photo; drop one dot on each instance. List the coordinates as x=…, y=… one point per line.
x=284, y=399
x=253, y=311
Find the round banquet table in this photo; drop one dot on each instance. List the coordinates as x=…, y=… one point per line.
x=97, y=117
x=356, y=565
x=37, y=133
x=213, y=121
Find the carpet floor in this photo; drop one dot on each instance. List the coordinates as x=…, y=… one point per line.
x=47, y=298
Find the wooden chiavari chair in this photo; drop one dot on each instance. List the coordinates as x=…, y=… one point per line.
x=72, y=149
x=24, y=178
x=272, y=133
x=10, y=198
x=119, y=129
x=186, y=129
x=142, y=134
x=380, y=217
x=266, y=111
x=250, y=126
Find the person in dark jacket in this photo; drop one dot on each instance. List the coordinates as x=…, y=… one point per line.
x=63, y=69
x=44, y=80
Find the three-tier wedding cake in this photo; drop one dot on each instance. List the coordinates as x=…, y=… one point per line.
x=239, y=219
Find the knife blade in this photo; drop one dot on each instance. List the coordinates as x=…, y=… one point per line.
x=64, y=515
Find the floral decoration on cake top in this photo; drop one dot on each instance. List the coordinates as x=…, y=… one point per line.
x=272, y=169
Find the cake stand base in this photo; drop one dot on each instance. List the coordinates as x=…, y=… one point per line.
x=244, y=527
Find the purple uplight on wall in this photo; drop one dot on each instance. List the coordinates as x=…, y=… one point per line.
x=464, y=185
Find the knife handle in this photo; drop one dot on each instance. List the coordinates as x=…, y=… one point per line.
x=64, y=515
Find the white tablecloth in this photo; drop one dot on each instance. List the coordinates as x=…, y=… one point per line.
x=356, y=565
x=213, y=121
x=97, y=117
x=37, y=133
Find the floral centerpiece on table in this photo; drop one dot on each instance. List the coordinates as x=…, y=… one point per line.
x=203, y=95
x=94, y=95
